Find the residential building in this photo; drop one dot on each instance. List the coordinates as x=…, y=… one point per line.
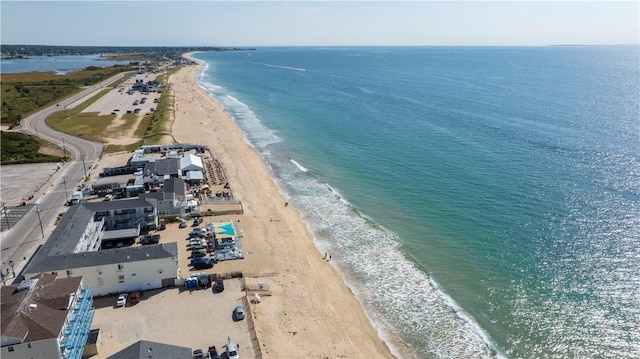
x=74, y=248
x=46, y=317
x=170, y=199
x=125, y=214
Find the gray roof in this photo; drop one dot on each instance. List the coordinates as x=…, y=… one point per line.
x=67, y=234
x=145, y=349
x=45, y=261
x=174, y=185
x=166, y=166
x=117, y=204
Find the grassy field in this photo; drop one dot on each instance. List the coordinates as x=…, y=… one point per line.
x=26, y=93
x=18, y=148
x=93, y=127
x=29, y=92
x=160, y=124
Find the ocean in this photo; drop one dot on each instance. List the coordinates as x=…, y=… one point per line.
x=58, y=64
x=480, y=201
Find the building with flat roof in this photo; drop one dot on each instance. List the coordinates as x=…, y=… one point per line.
x=125, y=214
x=74, y=248
x=46, y=317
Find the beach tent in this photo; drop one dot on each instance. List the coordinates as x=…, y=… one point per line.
x=191, y=163
x=195, y=176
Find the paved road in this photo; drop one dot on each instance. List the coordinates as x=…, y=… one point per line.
x=19, y=243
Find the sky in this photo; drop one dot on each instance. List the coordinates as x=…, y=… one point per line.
x=319, y=23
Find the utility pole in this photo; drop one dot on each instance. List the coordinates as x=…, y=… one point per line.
x=84, y=167
x=64, y=179
x=4, y=207
x=39, y=220
x=64, y=150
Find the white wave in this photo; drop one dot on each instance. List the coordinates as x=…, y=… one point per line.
x=283, y=67
x=300, y=167
x=397, y=296
x=411, y=313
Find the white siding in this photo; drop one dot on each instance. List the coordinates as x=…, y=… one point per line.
x=140, y=275
x=41, y=349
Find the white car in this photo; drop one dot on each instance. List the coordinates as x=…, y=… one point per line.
x=108, y=197
x=232, y=351
x=122, y=300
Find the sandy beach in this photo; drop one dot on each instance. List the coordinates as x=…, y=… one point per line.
x=312, y=312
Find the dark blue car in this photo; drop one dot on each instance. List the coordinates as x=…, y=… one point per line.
x=202, y=263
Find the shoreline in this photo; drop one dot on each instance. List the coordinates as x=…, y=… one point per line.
x=310, y=298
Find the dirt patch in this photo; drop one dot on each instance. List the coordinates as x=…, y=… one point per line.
x=122, y=130
x=51, y=149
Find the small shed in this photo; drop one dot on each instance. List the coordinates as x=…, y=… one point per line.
x=195, y=176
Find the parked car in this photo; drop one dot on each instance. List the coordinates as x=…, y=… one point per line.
x=163, y=225
x=108, y=197
x=238, y=313
x=219, y=285
x=213, y=352
x=232, y=352
x=198, y=354
x=136, y=296
x=150, y=239
x=183, y=224
x=204, y=280
x=198, y=253
x=197, y=244
x=122, y=300
x=197, y=221
x=201, y=263
x=197, y=232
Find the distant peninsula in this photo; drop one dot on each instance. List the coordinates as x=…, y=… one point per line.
x=169, y=52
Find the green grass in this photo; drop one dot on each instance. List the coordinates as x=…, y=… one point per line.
x=123, y=148
x=25, y=93
x=161, y=122
x=20, y=148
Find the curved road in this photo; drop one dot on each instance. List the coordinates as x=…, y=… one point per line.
x=19, y=244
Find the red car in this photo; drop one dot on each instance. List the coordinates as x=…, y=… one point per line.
x=136, y=296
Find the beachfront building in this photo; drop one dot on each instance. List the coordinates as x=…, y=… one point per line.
x=74, y=249
x=46, y=317
x=135, y=213
x=140, y=158
x=109, y=271
x=171, y=199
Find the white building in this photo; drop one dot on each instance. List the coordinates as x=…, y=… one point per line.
x=191, y=163
x=74, y=250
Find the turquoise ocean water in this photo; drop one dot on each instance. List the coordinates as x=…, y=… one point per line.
x=480, y=202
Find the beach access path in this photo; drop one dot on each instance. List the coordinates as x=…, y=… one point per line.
x=311, y=313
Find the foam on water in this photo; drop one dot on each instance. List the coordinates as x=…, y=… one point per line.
x=256, y=134
x=407, y=307
x=300, y=167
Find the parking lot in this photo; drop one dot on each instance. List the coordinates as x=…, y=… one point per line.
x=176, y=316
x=119, y=98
